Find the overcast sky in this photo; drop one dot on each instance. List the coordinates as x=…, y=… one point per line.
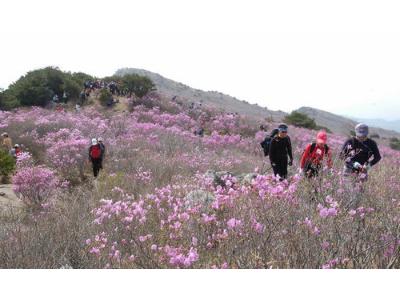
x=343, y=57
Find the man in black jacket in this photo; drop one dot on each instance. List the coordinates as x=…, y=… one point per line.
x=360, y=153
x=279, y=150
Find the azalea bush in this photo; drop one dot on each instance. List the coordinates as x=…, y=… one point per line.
x=35, y=186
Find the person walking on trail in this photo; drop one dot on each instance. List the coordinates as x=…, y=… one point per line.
x=95, y=157
x=103, y=151
x=279, y=150
x=313, y=157
x=360, y=153
x=7, y=142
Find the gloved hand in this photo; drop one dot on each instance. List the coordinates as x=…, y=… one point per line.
x=301, y=171
x=367, y=167
x=357, y=165
x=291, y=163
x=273, y=164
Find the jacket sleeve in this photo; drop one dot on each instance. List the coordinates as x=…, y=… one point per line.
x=272, y=150
x=305, y=156
x=289, y=148
x=377, y=154
x=345, y=150
x=89, y=152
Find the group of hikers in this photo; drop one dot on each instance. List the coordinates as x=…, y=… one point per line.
x=7, y=145
x=359, y=153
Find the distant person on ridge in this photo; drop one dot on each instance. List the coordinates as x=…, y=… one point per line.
x=360, y=153
x=314, y=155
x=95, y=157
x=279, y=150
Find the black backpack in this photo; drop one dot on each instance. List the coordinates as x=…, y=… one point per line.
x=313, y=145
x=265, y=144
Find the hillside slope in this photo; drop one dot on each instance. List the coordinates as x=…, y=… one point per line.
x=342, y=125
x=211, y=98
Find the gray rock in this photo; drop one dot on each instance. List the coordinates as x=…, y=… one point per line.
x=217, y=176
x=200, y=197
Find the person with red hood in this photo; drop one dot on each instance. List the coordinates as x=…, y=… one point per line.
x=314, y=155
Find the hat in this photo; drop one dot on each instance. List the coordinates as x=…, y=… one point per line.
x=16, y=146
x=99, y=139
x=94, y=142
x=4, y=134
x=361, y=130
x=322, y=137
x=283, y=128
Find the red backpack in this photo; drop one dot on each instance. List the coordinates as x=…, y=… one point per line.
x=95, y=152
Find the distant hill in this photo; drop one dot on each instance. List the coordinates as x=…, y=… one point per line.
x=342, y=125
x=211, y=98
x=171, y=88
x=390, y=125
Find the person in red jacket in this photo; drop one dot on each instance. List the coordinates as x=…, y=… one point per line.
x=314, y=155
x=95, y=157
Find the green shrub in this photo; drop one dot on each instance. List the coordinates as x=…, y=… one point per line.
x=105, y=96
x=395, y=143
x=300, y=120
x=136, y=84
x=7, y=163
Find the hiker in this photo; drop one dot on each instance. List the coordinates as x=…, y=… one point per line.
x=16, y=151
x=360, y=153
x=95, y=157
x=7, y=142
x=314, y=155
x=103, y=151
x=279, y=150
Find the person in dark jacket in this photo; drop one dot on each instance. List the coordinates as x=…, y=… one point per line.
x=103, y=151
x=279, y=150
x=360, y=153
x=95, y=157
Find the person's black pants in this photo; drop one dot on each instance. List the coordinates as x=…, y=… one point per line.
x=96, y=166
x=281, y=168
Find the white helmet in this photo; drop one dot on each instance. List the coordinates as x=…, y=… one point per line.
x=94, y=142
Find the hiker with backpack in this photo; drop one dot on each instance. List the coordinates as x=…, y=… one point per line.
x=279, y=150
x=314, y=155
x=95, y=157
x=360, y=153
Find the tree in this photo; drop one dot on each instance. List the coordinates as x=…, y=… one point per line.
x=38, y=87
x=136, y=84
x=300, y=120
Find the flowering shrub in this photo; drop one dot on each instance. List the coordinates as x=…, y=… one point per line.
x=35, y=185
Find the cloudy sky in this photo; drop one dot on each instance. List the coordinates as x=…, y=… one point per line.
x=343, y=57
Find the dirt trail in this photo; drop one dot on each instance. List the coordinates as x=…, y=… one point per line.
x=8, y=197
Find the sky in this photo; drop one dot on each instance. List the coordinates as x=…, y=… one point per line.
x=339, y=56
